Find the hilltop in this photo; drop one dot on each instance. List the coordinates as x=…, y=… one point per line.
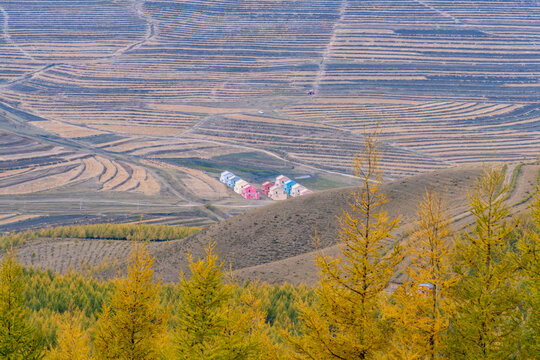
x=275, y=242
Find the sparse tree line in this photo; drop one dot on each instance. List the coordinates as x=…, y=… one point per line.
x=136, y=232
x=472, y=295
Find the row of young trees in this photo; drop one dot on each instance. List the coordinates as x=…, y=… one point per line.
x=467, y=296
x=148, y=232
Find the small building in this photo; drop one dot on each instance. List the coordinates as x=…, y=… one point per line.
x=276, y=193
x=225, y=176
x=281, y=179
x=250, y=192
x=232, y=181
x=265, y=187
x=239, y=185
x=288, y=186
x=295, y=190
x=305, y=191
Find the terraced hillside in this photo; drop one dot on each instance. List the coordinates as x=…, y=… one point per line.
x=160, y=95
x=274, y=243
x=51, y=174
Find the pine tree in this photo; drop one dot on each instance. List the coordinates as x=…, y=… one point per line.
x=245, y=335
x=73, y=342
x=528, y=260
x=132, y=326
x=485, y=325
x=346, y=322
x=422, y=307
x=211, y=324
x=19, y=340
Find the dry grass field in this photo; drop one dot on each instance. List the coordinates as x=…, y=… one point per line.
x=137, y=105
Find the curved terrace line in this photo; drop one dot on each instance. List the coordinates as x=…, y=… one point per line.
x=463, y=23
x=138, y=6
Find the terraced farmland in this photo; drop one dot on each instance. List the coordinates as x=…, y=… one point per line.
x=130, y=94
x=274, y=243
x=30, y=166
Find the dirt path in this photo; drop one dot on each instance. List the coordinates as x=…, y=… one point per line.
x=269, y=153
x=151, y=29
x=302, y=268
x=93, y=201
x=7, y=37
x=525, y=185
x=438, y=11
x=463, y=23
x=27, y=76
x=327, y=51
x=509, y=173
x=25, y=129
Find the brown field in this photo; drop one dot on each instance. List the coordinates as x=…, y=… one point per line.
x=44, y=182
x=199, y=109
x=79, y=255
x=110, y=170
x=13, y=218
x=65, y=130
x=138, y=129
x=447, y=82
x=197, y=181
x=134, y=107
x=33, y=167
x=120, y=177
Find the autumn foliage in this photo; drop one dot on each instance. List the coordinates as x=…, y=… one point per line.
x=472, y=294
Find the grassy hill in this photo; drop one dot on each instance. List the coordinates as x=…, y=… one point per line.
x=274, y=243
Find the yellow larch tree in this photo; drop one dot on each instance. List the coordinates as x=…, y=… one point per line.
x=346, y=321
x=19, y=339
x=246, y=334
x=421, y=307
x=211, y=323
x=132, y=326
x=485, y=323
x=73, y=342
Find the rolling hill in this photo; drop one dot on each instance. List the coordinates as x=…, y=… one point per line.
x=274, y=243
